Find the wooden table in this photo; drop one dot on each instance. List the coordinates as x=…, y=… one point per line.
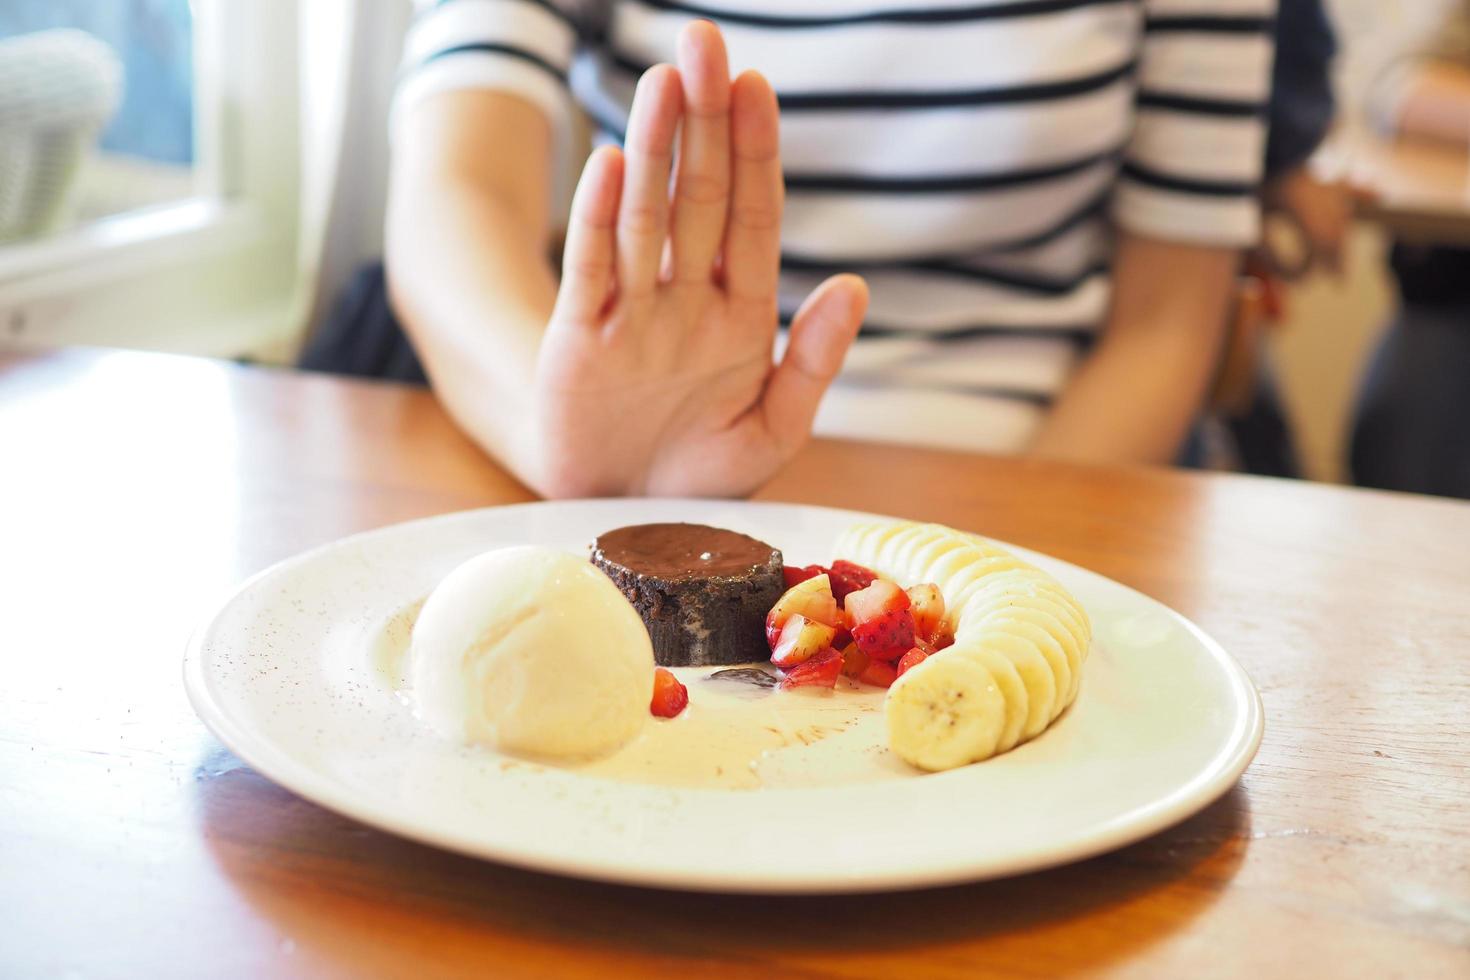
x=1420, y=188
x=135, y=488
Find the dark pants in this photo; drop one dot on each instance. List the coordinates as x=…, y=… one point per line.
x=361, y=337
x=1412, y=430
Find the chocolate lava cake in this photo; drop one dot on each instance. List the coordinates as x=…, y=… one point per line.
x=703, y=592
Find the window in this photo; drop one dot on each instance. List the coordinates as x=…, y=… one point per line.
x=178, y=223
x=129, y=115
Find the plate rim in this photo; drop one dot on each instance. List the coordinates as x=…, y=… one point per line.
x=1180, y=803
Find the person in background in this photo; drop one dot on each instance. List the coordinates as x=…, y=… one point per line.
x=1411, y=429
x=1087, y=185
x=1302, y=111
x=1316, y=213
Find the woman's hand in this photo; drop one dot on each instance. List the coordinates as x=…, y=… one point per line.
x=655, y=375
x=1320, y=215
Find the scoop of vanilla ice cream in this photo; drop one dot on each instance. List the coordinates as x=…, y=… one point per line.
x=534, y=651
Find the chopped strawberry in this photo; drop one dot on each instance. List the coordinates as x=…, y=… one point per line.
x=811, y=598
x=878, y=598
x=844, y=635
x=927, y=604
x=800, y=639
x=913, y=658
x=887, y=637
x=848, y=577
x=878, y=673
x=943, y=636
x=819, y=671
x=669, y=696
x=882, y=623
x=854, y=661
x=795, y=576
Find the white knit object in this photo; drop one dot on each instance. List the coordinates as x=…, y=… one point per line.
x=57, y=90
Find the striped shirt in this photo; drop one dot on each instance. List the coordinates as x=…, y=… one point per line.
x=971, y=158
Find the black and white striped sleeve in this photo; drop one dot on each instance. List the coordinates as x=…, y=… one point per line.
x=524, y=47
x=1193, y=164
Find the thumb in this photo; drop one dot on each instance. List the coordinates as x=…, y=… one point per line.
x=821, y=332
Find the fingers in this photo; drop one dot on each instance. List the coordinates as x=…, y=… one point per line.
x=821, y=332
x=643, y=214
x=702, y=186
x=752, y=249
x=589, y=259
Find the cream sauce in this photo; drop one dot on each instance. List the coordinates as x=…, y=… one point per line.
x=733, y=735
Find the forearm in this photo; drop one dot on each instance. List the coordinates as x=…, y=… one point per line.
x=1135, y=398
x=1114, y=412
x=470, y=280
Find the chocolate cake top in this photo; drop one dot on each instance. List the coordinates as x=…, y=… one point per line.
x=679, y=551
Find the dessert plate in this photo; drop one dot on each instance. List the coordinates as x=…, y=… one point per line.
x=293, y=673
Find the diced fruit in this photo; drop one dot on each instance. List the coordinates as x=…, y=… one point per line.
x=669, y=696
x=801, y=639
x=811, y=598
x=878, y=673
x=943, y=636
x=913, y=658
x=887, y=637
x=794, y=575
x=844, y=635
x=820, y=671
x=875, y=600
x=854, y=661
x=848, y=577
x=881, y=621
x=927, y=604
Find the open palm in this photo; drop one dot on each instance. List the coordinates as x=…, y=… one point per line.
x=656, y=374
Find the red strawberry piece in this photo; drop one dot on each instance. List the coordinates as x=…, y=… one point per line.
x=878, y=598
x=811, y=598
x=887, y=637
x=818, y=671
x=669, y=696
x=794, y=575
x=800, y=639
x=879, y=674
x=848, y=577
x=927, y=604
x=913, y=658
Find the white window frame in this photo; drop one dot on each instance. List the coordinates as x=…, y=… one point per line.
x=216, y=273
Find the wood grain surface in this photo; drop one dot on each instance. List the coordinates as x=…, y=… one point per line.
x=135, y=489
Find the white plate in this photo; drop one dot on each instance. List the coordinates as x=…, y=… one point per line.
x=282, y=672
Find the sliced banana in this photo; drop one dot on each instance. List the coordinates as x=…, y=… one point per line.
x=1056, y=657
x=1020, y=643
x=1012, y=687
x=945, y=712
x=1041, y=683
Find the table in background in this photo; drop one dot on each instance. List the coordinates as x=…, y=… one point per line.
x=1421, y=187
x=135, y=489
